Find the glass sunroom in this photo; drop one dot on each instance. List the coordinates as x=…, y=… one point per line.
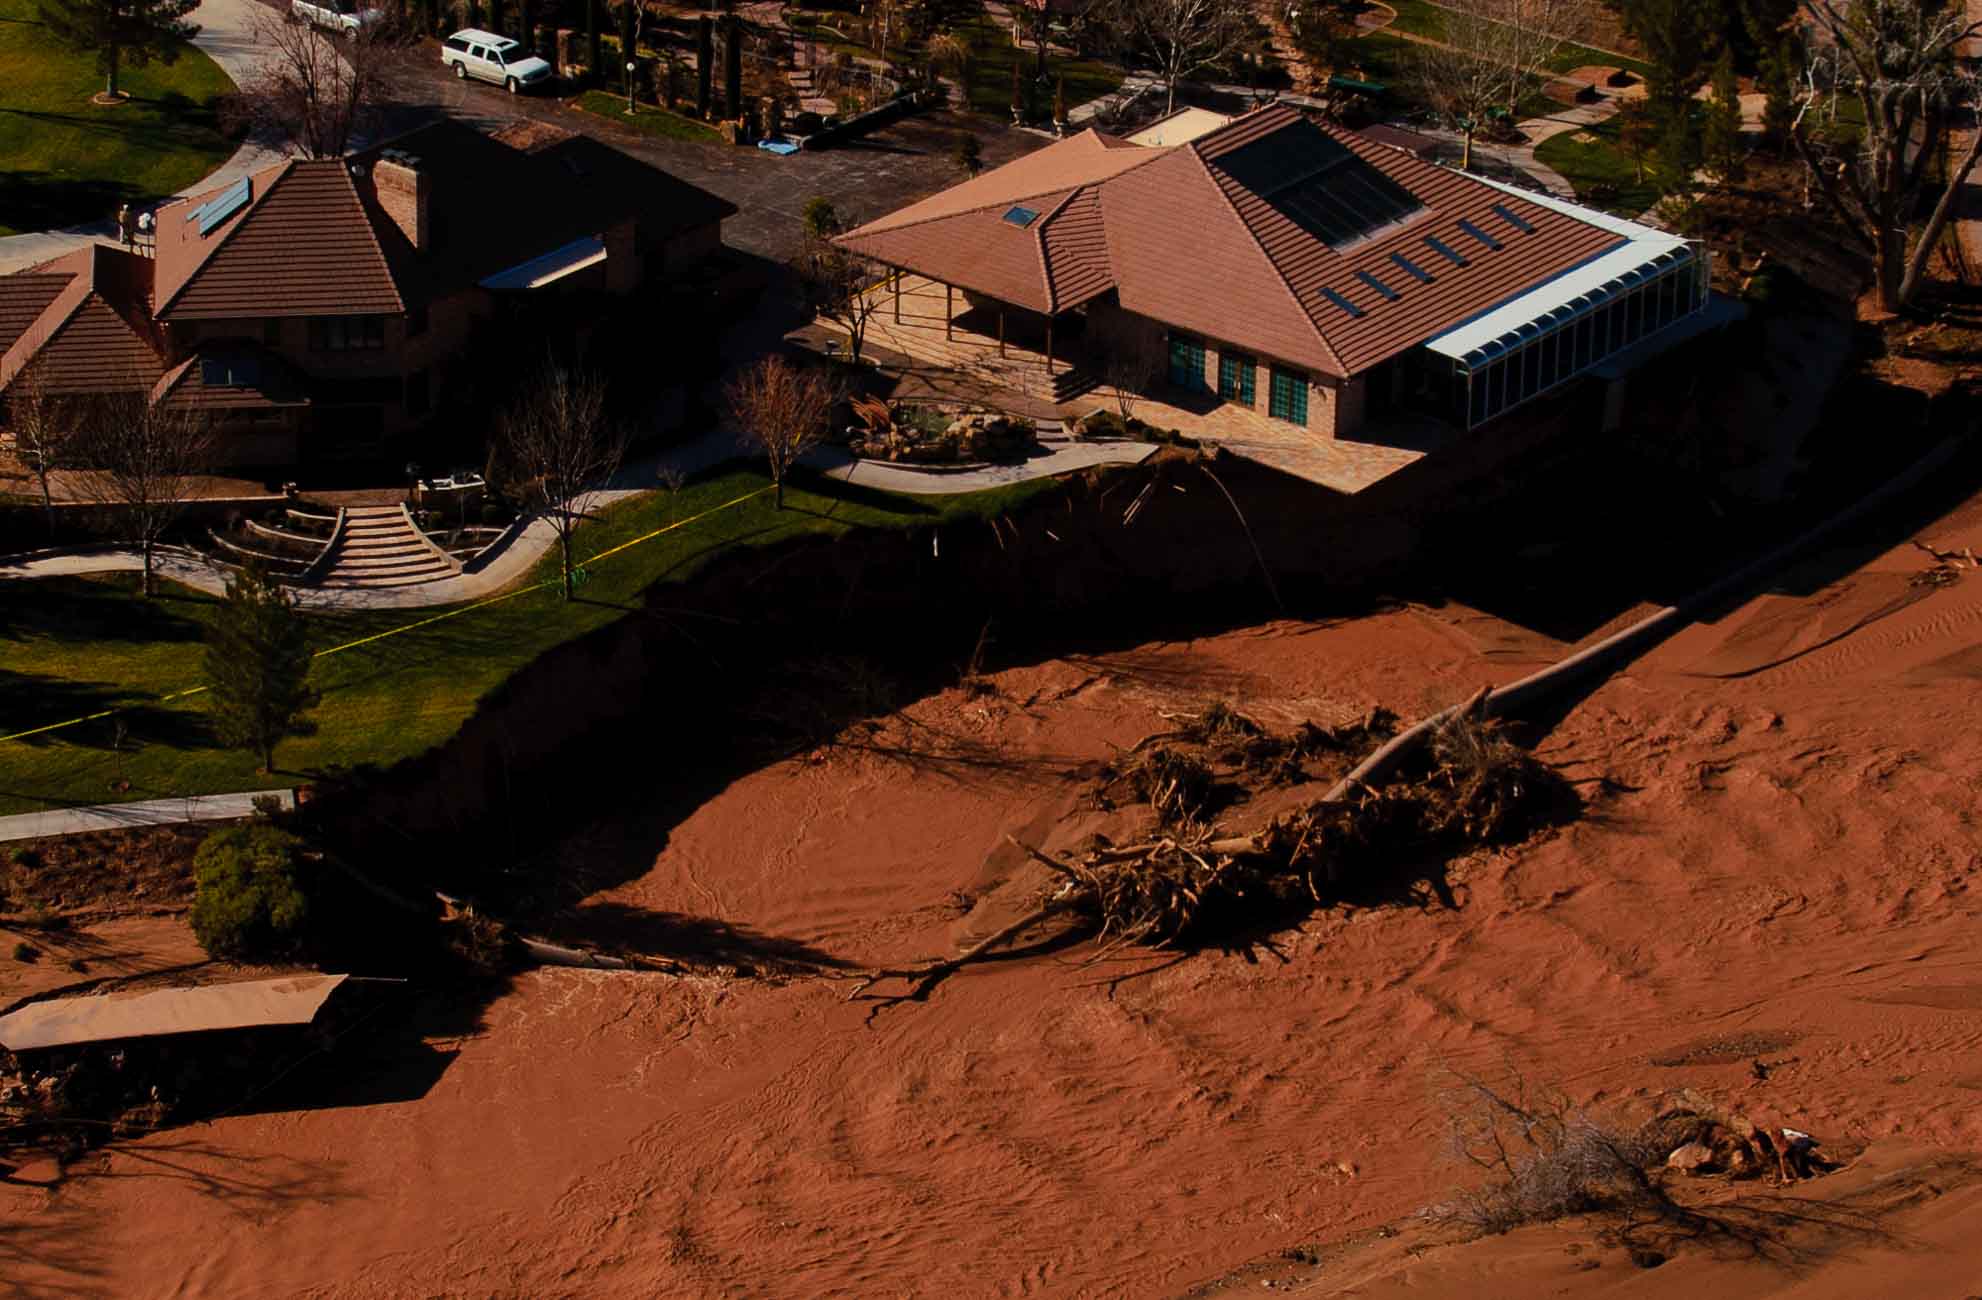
x=1540, y=340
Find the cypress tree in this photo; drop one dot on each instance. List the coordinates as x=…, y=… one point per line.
x=593, y=54
x=1779, y=84
x=705, y=71
x=1721, y=142
x=627, y=54
x=733, y=65
x=258, y=666
x=495, y=16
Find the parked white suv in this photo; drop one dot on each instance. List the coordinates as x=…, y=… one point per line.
x=473, y=53
x=337, y=15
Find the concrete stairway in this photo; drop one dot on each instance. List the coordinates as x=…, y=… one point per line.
x=380, y=547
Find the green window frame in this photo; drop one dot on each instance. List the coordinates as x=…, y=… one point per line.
x=1235, y=377
x=1187, y=362
x=1287, y=396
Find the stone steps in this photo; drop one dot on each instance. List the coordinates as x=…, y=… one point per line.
x=379, y=547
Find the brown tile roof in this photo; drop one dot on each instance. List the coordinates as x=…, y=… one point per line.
x=1235, y=242
x=95, y=332
x=23, y=298
x=305, y=243
x=245, y=375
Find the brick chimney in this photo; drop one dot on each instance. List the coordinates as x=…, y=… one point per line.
x=405, y=193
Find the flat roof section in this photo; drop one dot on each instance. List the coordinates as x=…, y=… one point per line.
x=254, y=1004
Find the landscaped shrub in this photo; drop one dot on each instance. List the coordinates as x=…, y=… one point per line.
x=251, y=899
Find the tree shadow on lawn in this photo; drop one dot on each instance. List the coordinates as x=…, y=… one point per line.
x=33, y=201
x=79, y=611
x=28, y=700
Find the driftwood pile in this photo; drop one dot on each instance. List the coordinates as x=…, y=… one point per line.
x=1189, y=876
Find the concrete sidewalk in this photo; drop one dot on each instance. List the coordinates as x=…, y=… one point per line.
x=227, y=37
x=123, y=816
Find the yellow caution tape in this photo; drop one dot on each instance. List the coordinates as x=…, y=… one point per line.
x=413, y=627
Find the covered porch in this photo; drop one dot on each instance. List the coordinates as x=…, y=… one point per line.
x=940, y=327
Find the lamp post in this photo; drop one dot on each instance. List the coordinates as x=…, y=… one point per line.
x=629, y=87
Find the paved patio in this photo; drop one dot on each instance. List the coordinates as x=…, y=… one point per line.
x=965, y=361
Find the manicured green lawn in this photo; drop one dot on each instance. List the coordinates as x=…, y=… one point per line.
x=70, y=647
x=64, y=161
x=993, y=55
x=651, y=118
x=1601, y=172
x=1423, y=18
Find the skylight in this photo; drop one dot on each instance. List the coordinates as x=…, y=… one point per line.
x=1513, y=218
x=1319, y=184
x=1411, y=268
x=1021, y=217
x=223, y=205
x=1444, y=250
x=1343, y=303
x=1480, y=235
x=1377, y=285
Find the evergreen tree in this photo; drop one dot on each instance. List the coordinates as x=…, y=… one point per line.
x=1779, y=84
x=123, y=33
x=705, y=65
x=1678, y=36
x=258, y=666
x=592, y=49
x=733, y=65
x=1721, y=133
x=1677, y=155
x=968, y=154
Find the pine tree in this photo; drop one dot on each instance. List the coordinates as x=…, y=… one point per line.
x=1721, y=134
x=1779, y=84
x=124, y=33
x=733, y=65
x=705, y=66
x=592, y=51
x=258, y=666
x=968, y=154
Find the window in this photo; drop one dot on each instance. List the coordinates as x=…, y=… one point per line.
x=1343, y=303
x=419, y=393
x=416, y=321
x=272, y=331
x=1411, y=268
x=347, y=333
x=1186, y=362
x=1235, y=378
x=1444, y=250
x=1287, y=396
x=458, y=45
x=1481, y=235
x=1021, y=216
x=1388, y=293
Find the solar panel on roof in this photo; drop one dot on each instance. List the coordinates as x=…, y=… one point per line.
x=1021, y=217
x=1378, y=285
x=1343, y=303
x=1444, y=250
x=216, y=210
x=1319, y=184
x=1411, y=268
x=1480, y=235
x=1513, y=218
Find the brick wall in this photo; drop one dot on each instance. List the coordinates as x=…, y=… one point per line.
x=405, y=195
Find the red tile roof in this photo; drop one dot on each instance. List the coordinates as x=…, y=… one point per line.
x=1189, y=236
x=305, y=243
x=94, y=333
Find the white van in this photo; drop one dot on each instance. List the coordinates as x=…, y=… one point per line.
x=499, y=59
x=336, y=15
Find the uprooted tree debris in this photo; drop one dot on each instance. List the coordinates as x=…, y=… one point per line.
x=1189, y=876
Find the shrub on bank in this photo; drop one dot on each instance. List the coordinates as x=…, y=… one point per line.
x=251, y=899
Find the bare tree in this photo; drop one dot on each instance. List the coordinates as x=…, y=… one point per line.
x=1179, y=37
x=313, y=89
x=141, y=461
x=1901, y=61
x=781, y=411
x=557, y=447
x=47, y=428
x=836, y=284
x=1132, y=367
x=1493, y=50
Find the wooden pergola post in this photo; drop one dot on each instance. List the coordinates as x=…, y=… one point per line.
x=1001, y=329
x=898, y=295
x=1049, y=345
x=949, y=310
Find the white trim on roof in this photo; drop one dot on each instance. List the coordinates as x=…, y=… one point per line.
x=1642, y=245
x=550, y=267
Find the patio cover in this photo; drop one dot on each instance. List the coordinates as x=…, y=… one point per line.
x=550, y=267
x=1642, y=247
x=71, y=1022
